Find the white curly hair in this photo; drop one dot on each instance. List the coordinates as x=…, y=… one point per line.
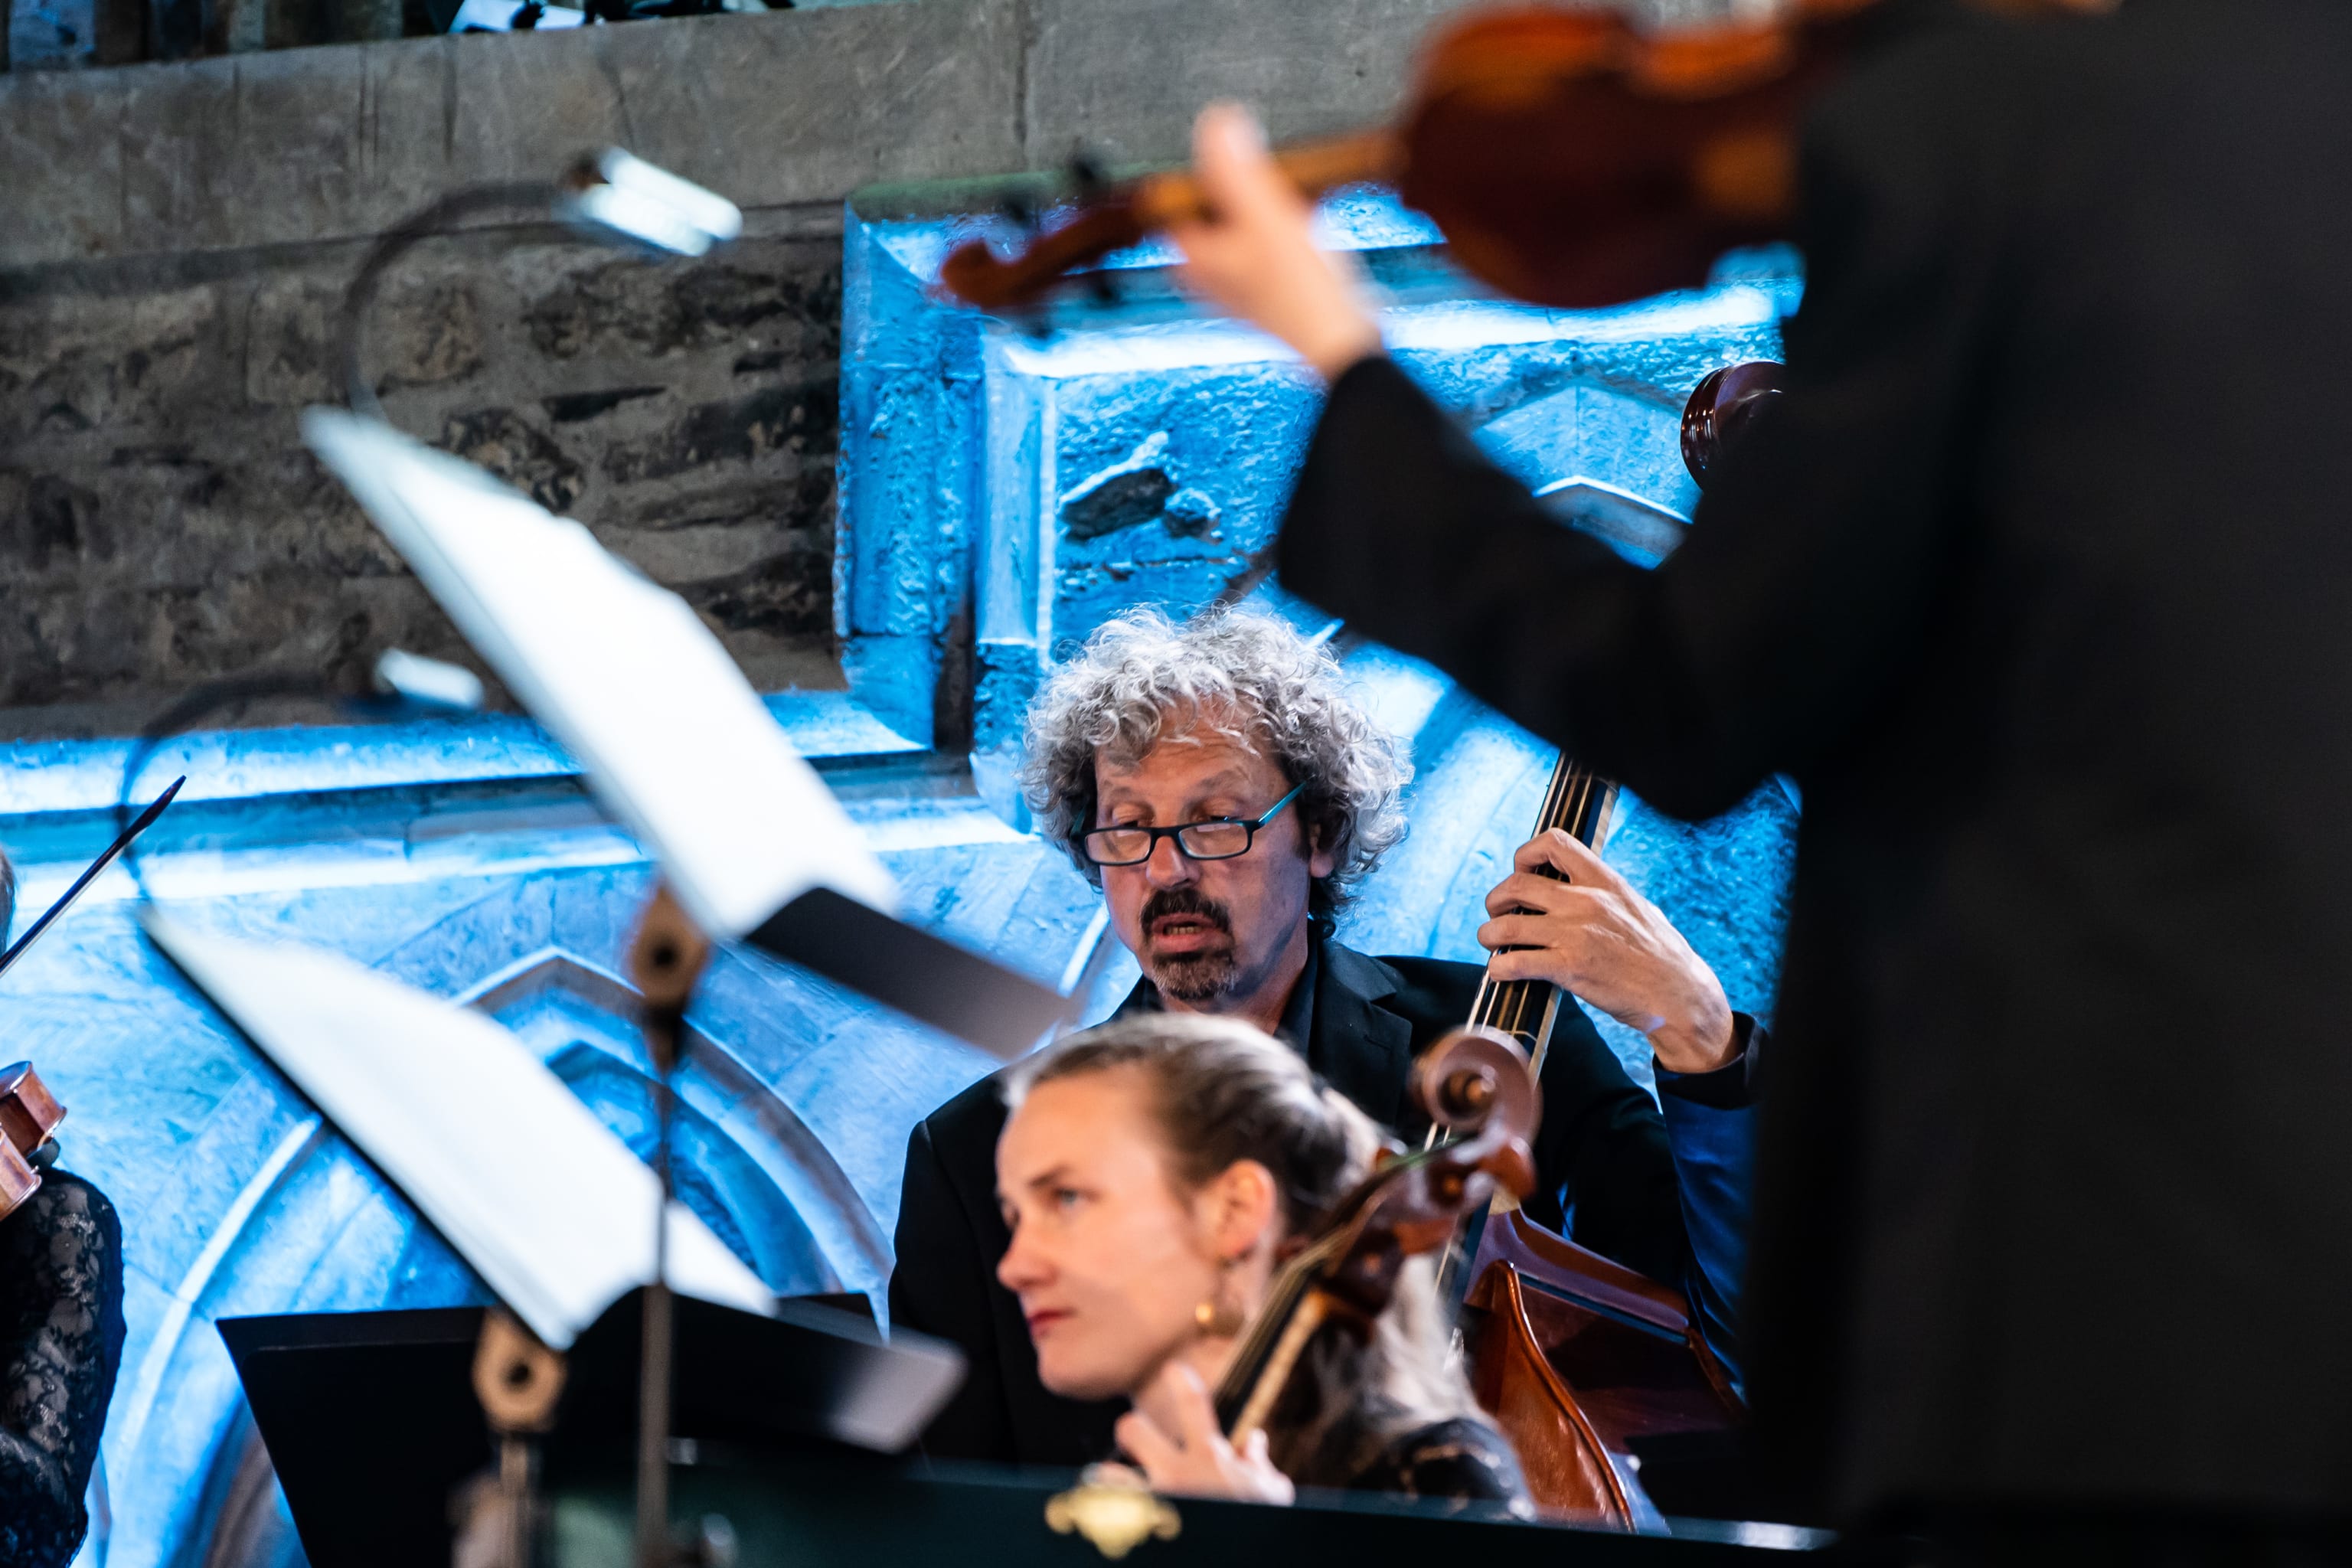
x=1143, y=677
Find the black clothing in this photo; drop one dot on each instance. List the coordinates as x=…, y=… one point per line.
x=2036, y=579
x=1460, y=1461
x=60, y=1344
x=1602, y=1153
x=2159, y=1537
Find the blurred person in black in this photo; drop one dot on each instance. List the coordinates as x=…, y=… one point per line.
x=60, y=1345
x=2036, y=579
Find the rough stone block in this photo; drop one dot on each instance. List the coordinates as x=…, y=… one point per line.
x=290, y=343
x=1308, y=71
x=161, y=521
x=813, y=105
x=59, y=145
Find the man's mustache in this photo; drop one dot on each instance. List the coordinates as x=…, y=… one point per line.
x=1186, y=901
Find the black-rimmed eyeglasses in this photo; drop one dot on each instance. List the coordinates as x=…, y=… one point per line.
x=1214, y=838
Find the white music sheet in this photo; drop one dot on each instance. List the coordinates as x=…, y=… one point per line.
x=673, y=739
x=551, y=1209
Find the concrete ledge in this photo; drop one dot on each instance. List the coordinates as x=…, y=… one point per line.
x=332, y=144
x=795, y=106
x=41, y=779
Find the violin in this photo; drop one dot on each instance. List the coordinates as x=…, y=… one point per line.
x=1476, y=1087
x=1570, y=159
x=30, y=1115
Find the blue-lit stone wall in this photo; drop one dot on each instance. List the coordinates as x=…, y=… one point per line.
x=1008, y=485
x=1004, y=489
x=462, y=857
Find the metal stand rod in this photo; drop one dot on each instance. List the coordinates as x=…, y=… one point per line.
x=654, y=1361
x=666, y=960
x=518, y=1481
x=518, y=1381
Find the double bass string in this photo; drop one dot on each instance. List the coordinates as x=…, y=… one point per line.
x=1570, y=801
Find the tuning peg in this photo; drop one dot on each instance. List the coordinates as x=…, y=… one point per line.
x=1019, y=209
x=1089, y=176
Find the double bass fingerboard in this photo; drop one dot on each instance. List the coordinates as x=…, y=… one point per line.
x=1578, y=803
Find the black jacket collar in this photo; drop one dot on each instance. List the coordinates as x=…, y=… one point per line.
x=1357, y=1046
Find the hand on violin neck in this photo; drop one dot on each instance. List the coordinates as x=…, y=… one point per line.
x=1257, y=257
x=1595, y=937
x=1174, y=1436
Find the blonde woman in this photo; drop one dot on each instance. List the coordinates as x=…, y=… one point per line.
x=1154, y=1173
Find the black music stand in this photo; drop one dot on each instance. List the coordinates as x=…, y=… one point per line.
x=371, y=1420
x=673, y=740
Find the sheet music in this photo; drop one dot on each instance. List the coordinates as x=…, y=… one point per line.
x=551, y=1209
x=672, y=737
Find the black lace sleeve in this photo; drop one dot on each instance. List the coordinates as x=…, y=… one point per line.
x=1460, y=1461
x=61, y=1343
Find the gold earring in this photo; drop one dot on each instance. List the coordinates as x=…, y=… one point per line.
x=1215, y=1320
x=1212, y=1316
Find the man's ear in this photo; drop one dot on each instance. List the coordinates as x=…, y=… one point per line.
x=1320, y=861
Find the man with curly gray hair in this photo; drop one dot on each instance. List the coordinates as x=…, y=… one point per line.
x=1216, y=780
x=1193, y=724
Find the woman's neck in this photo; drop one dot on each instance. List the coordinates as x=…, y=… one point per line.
x=1207, y=1355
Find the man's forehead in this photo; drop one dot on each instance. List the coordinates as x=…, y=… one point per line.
x=1199, y=754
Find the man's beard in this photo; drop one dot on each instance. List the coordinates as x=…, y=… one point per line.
x=1199, y=977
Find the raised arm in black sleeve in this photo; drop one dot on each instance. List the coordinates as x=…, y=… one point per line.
x=1804, y=592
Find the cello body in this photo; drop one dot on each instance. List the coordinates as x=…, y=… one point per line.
x=1578, y=1359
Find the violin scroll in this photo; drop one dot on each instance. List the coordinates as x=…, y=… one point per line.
x=1478, y=1089
x=1475, y=1083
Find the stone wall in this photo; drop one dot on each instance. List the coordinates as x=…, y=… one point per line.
x=160, y=521
x=178, y=236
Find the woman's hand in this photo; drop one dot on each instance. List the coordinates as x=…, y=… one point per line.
x=1593, y=935
x=1196, y=1461
x=1257, y=258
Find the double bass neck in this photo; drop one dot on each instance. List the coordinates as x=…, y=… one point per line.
x=1578, y=803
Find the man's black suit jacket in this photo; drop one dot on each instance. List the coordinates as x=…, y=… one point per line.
x=2040, y=581
x=1601, y=1151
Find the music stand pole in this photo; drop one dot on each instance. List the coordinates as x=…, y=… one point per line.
x=666, y=960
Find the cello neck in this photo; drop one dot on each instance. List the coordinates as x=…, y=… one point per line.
x=1578, y=803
